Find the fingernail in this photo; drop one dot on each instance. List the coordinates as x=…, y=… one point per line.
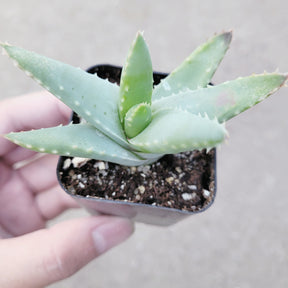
x=111, y=233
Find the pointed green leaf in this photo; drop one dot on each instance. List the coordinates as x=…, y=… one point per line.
x=197, y=70
x=174, y=131
x=92, y=98
x=137, y=119
x=78, y=140
x=137, y=77
x=226, y=100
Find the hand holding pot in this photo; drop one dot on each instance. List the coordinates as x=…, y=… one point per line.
x=30, y=196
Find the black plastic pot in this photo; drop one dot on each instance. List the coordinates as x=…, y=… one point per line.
x=146, y=213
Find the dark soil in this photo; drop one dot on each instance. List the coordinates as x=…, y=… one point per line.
x=182, y=181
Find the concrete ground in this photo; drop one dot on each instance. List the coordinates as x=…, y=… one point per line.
x=241, y=241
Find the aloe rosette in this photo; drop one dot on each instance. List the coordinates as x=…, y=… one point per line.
x=135, y=123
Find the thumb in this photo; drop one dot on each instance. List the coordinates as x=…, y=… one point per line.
x=50, y=255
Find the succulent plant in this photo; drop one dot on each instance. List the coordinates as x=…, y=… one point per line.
x=136, y=123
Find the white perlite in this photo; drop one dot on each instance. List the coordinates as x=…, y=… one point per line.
x=178, y=169
x=206, y=193
x=192, y=187
x=143, y=169
x=100, y=165
x=187, y=196
x=81, y=185
x=141, y=189
x=78, y=161
x=169, y=180
x=67, y=163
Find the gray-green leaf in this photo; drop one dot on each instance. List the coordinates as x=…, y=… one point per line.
x=225, y=100
x=197, y=70
x=92, y=98
x=174, y=131
x=137, y=77
x=77, y=140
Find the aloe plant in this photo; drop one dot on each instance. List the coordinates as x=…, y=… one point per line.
x=136, y=123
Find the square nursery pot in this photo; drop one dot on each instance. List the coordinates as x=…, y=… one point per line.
x=161, y=193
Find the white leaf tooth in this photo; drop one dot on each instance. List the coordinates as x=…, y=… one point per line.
x=4, y=52
x=28, y=73
x=39, y=81
x=215, y=120
x=183, y=145
x=166, y=86
x=165, y=143
x=17, y=142
x=205, y=143
x=15, y=63
x=89, y=150
x=88, y=113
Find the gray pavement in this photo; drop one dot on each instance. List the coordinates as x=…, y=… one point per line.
x=241, y=241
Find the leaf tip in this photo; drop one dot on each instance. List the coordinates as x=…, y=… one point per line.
x=227, y=36
x=140, y=33
x=5, y=46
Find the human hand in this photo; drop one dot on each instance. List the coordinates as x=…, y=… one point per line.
x=30, y=196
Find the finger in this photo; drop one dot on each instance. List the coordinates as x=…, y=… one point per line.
x=4, y=233
x=60, y=252
x=18, y=213
x=19, y=155
x=53, y=202
x=40, y=174
x=31, y=111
